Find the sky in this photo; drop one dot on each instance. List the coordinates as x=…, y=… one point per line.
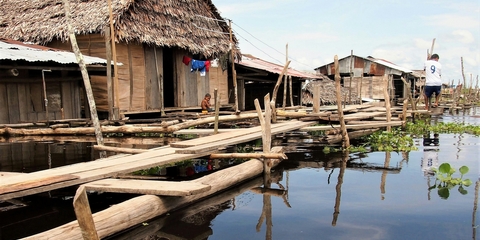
x=399, y=31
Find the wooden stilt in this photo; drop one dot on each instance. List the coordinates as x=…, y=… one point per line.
x=86, y=79
x=346, y=140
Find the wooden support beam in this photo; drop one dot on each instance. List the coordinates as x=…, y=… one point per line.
x=249, y=155
x=84, y=215
x=153, y=187
x=346, y=140
x=119, y=150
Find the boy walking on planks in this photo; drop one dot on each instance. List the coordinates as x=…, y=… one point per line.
x=206, y=103
x=433, y=81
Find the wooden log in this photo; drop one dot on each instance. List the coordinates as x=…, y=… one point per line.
x=275, y=90
x=59, y=126
x=345, y=137
x=169, y=123
x=84, y=214
x=356, y=126
x=22, y=125
x=386, y=80
x=152, y=187
x=118, y=149
x=217, y=109
x=249, y=155
x=124, y=129
x=302, y=114
x=86, y=78
x=143, y=208
x=316, y=98
x=267, y=128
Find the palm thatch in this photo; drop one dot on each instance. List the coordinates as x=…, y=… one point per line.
x=194, y=25
x=327, y=93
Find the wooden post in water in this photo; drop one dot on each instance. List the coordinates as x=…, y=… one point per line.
x=275, y=90
x=84, y=214
x=386, y=83
x=217, y=107
x=351, y=78
x=285, y=83
x=316, y=98
x=234, y=73
x=338, y=90
x=361, y=82
x=86, y=79
x=108, y=50
x=291, y=93
x=116, y=86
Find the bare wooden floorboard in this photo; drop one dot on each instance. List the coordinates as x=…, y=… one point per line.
x=223, y=136
x=353, y=126
x=147, y=187
x=214, y=145
x=85, y=166
x=106, y=172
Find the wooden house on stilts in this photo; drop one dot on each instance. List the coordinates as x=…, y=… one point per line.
x=366, y=76
x=152, y=39
x=257, y=77
x=41, y=84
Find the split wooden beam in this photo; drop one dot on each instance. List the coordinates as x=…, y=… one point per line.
x=118, y=149
x=249, y=155
x=338, y=91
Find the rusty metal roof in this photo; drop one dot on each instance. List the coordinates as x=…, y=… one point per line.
x=389, y=64
x=257, y=63
x=15, y=50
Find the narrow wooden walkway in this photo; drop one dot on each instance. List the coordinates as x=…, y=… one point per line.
x=81, y=173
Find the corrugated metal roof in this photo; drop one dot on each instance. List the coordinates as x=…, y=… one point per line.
x=389, y=64
x=15, y=50
x=257, y=63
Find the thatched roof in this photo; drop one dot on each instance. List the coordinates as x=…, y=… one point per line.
x=188, y=24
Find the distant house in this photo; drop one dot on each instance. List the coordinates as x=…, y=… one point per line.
x=257, y=77
x=151, y=40
x=30, y=73
x=365, y=76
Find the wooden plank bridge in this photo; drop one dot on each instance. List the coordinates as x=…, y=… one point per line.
x=14, y=186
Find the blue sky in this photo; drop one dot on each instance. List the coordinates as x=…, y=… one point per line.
x=400, y=31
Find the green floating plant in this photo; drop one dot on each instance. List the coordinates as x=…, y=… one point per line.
x=446, y=181
x=395, y=140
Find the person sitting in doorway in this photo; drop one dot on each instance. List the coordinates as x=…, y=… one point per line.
x=206, y=103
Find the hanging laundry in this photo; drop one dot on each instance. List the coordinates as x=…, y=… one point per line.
x=186, y=60
x=201, y=66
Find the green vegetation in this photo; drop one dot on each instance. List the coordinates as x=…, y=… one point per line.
x=395, y=140
x=420, y=127
x=446, y=181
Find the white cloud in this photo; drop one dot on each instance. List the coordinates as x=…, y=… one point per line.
x=463, y=36
x=455, y=21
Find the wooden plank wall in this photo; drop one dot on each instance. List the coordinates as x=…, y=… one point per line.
x=372, y=87
x=219, y=80
x=24, y=102
x=153, y=65
x=4, y=113
x=190, y=86
x=131, y=76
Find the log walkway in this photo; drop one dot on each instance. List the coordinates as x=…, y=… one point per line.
x=81, y=173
